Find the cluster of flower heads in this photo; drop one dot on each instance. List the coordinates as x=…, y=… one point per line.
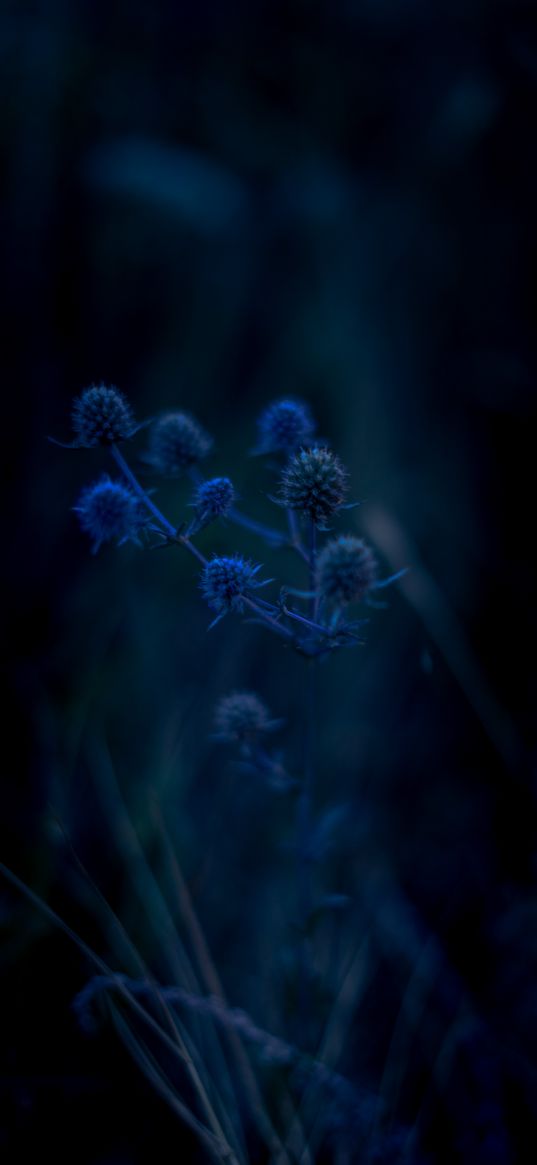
x=313, y=484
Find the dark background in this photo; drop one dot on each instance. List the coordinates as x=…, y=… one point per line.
x=211, y=205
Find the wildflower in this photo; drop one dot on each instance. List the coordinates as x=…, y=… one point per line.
x=224, y=581
x=102, y=416
x=176, y=443
x=241, y=717
x=346, y=570
x=213, y=499
x=108, y=510
x=314, y=482
x=284, y=426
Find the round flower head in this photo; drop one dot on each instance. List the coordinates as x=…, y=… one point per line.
x=102, y=416
x=284, y=426
x=314, y=482
x=107, y=511
x=213, y=499
x=224, y=581
x=176, y=443
x=242, y=717
x=346, y=570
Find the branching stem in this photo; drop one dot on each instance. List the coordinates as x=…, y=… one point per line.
x=140, y=491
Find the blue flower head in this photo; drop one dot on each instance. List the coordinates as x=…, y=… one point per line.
x=314, y=482
x=108, y=511
x=176, y=443
x=102, y=416
x=241, y=717
x=346, y=570
x=284, y=426
x=213, y=499
x=225, y=582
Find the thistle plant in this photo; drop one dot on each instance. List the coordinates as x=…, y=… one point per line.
x=109, y=511
x=242, y=717
x=314, y=483
x=285, y=426
x=312, y=487
x=227, y=583
x=102, y=416
x=346, y=571
x=213, y=499
x=176, y=443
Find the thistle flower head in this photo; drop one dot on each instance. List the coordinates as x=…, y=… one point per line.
x=107, y=511
x=102, y=416
x=346, y=570
x=284, y=426
x=176, y=443
x=314, y=482
x=242, y=717
x=213, y=499
x=224, y=581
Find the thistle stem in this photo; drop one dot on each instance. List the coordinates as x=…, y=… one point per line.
x=188, y=545
x=314, y=600
x=266, y=532
x=272, y=623
x=304, y=811
x=166, y=526
x=317, y=627
x=140, y=491
x=294, y=533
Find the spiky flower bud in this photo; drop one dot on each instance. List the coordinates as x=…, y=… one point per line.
x=107, y=511
x=176, y=443
x=346, y=570
x=224, y=581
x=241, y=717
x=284, y=426
x=314, y=482
x=102, y=416
x=213, y=499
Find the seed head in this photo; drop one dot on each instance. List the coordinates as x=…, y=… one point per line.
x=224, y=581
x=213, y=499
x=102, y=416
x=346, y=570
x=242, y=717
x=284, y=426
x=314, y=482
x=176, y=443
x=107, y=511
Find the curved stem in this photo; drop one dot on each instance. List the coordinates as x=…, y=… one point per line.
x=270, y=535
x=272, y=623
x=188, y=545
x=317, y=627
x=140, y=491
x=294, y=532
x=164, y=524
